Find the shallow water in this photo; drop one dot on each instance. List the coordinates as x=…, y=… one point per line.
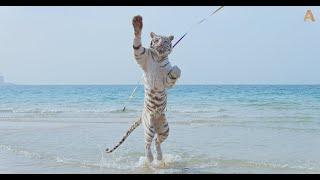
x=213, y=129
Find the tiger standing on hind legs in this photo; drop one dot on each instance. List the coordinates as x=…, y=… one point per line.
x=158, y=75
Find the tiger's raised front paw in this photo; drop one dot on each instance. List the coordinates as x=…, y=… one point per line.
x=137, y=24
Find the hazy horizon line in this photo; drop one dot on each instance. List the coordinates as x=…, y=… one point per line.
x=187, y=84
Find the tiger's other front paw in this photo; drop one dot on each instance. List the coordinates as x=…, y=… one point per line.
x=175, y=72
x=137, y=24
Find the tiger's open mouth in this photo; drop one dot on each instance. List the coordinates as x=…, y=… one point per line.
x=162, y=51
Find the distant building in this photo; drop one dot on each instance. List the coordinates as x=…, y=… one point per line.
x=2, y=82
x=1, y=79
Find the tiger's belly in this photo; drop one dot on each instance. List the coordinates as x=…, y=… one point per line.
x=155, y=102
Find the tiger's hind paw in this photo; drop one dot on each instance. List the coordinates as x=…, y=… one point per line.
x=159, y=157
x=150, y=157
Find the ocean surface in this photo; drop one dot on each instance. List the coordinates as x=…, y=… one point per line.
x=213, y=129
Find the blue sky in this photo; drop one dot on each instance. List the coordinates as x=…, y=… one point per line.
x=93, y=45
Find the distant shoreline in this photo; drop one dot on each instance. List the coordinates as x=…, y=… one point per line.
x=7, y=84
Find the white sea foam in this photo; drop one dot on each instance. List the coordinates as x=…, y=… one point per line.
x=20, y=151
x=168, y=161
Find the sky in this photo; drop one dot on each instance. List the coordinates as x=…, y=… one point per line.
x=93, y=45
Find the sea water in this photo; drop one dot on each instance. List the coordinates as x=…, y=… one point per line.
x=213, y=129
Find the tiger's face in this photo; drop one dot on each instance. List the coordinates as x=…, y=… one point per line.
x=161, y=44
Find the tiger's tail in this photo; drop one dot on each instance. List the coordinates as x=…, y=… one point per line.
x=129, y=131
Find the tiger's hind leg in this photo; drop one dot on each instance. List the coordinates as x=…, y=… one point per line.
x=149, y=133
x=162, y=134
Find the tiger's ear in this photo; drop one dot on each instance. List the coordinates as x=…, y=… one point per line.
x=171, y=38
x=152, y=34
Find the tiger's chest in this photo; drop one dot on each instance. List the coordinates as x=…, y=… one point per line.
x=156, y=73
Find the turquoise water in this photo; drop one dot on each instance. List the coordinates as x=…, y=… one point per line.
x=214, y=129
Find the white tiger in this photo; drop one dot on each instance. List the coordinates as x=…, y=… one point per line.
x=158, y=76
